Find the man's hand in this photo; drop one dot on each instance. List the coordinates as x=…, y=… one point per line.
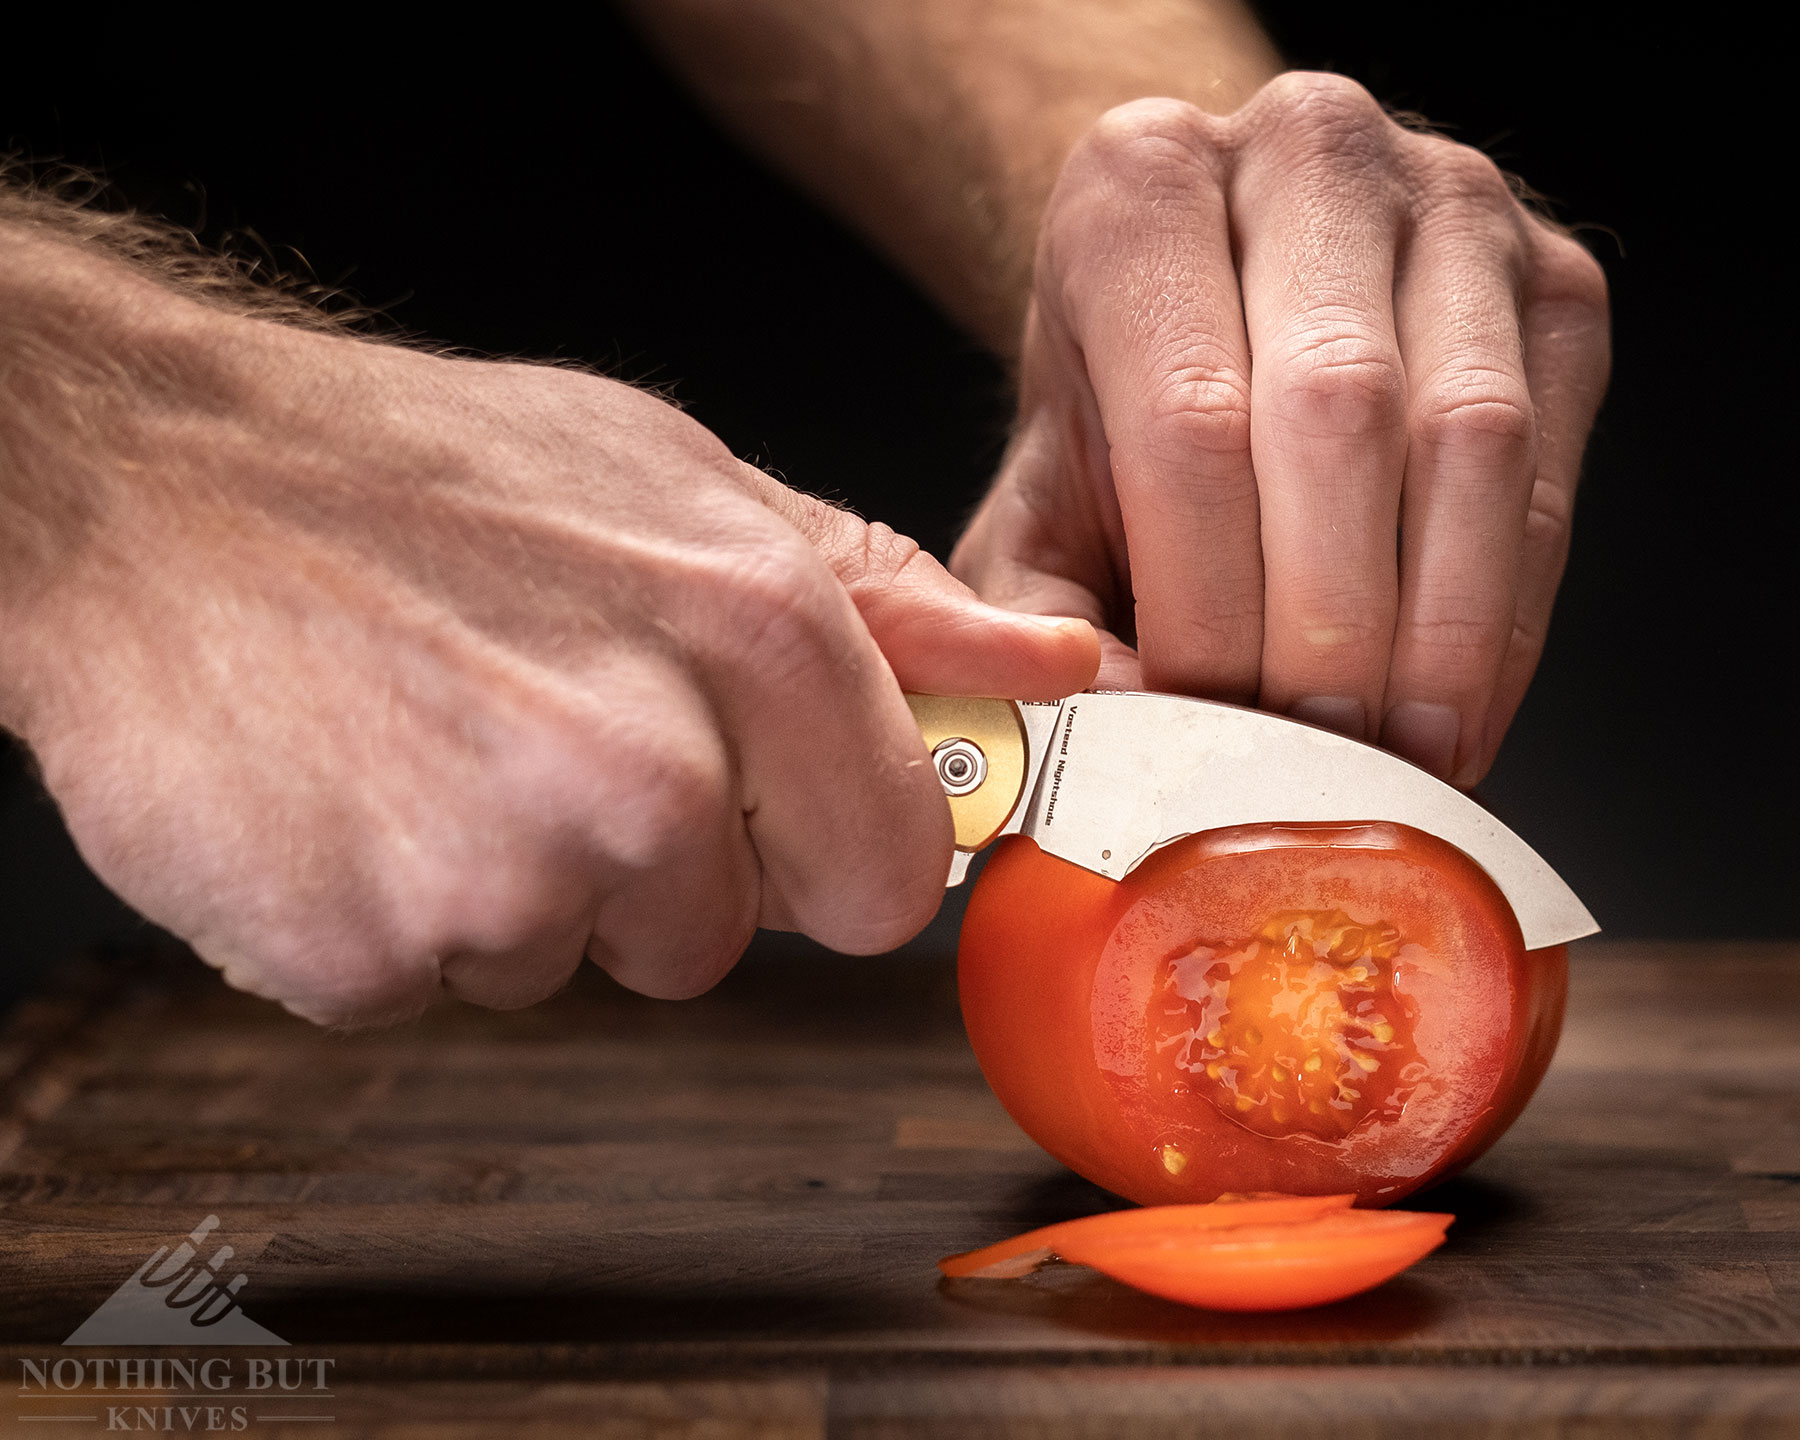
x=1366, y=526
x=366, y=670
x=1428, y=359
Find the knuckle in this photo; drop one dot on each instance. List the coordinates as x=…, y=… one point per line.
x=902, y=914
x=662, y=789
x=500, y=906
x=638, y=772
x=879, y=558
x=1451, y=642
x=1566, y=271
x=1550, y=520
x=704, y=960
x=1215, y=652
x=1463, y=173
x=349, y=981
x=1135, y=180
x=1131, y=158
x=1525, y=640
x=778, y=608
x=1488, y=416
x=1148, y=136
x=1321, y=94
x=1318, y=111
x=725, y=945
x=1341, y=383
x=1231, y=624
x=759, y=583
x=1206, y=414
x=886, y=892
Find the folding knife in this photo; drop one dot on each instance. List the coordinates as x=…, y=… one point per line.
x=1105, y=778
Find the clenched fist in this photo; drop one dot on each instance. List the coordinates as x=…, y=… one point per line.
x=369, y=671
x=1304, y=395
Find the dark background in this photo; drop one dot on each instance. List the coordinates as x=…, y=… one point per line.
x=525, y=190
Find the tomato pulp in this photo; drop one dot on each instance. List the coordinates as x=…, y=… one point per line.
x=1308, y=1009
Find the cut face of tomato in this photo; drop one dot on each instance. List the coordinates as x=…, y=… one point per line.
x=1305, y=1009
x=1273, y=1254
x=1297, y=1029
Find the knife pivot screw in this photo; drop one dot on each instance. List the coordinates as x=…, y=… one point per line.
x=961, y=766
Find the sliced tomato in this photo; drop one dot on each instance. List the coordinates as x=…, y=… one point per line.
x=1306, y=1009
x=1024, y=1253
x=1268, y=1255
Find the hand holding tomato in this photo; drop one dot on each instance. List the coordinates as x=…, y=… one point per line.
x=1428, y=358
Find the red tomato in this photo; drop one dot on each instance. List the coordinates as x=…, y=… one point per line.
x=1306, y=1009
x=1278, y=1253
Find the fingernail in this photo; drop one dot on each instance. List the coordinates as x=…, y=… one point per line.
x=1475, y=766
x=1334, y=712
x=1424, y=733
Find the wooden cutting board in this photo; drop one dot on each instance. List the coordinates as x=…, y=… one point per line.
x=612, y=1215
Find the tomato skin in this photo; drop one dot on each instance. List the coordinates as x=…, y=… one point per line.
x=1056, y=964
x=1278, y=1252
x=1275, y=1267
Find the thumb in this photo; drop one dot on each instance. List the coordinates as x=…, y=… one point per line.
x=937, y=634
x=1018, y=585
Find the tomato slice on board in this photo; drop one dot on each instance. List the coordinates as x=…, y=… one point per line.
x=1302, y=1009
x=1273, y=1258
x=1024, y=1253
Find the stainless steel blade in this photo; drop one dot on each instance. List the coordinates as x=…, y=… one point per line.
x=1123, y=774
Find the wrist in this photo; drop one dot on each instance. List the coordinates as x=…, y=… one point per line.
x=938, y=128
x=1037, y=96
x=99, y=366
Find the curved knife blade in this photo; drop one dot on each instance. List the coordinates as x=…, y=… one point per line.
x=1119, y=774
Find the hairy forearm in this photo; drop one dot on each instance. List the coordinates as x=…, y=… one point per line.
x=120, y=337
x=937, y=127
x=71, y=364
x=117, y=338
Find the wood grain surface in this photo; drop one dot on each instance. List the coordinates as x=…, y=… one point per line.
x=616, y=1216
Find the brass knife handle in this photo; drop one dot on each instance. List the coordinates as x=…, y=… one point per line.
x=978, y=747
